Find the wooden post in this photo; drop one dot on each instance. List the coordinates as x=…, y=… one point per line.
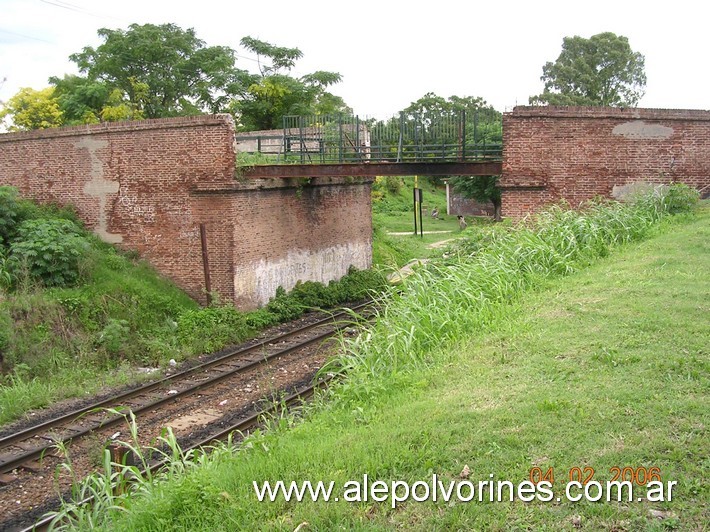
x=206, y=263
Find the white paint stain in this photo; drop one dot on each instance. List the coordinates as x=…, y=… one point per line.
x=99, y=187
x=640, y=130
x=259, y=281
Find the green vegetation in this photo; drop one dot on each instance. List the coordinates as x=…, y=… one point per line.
x=77, y=315
x=607, y=367
x=156, y=71
x=481, y=188
x=602, y=70
x=392, y=212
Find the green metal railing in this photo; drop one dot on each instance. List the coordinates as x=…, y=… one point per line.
x=406, y=137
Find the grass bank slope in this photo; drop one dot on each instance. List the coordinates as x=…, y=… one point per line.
x=605, y=368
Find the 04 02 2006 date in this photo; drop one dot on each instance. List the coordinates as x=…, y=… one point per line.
x=635, y=475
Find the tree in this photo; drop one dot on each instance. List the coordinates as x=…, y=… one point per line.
x=602, y=70
x=80, y=99
x=273, y=93
x=33, y=109
x=83, y=101
x=481, y=188
x=163, y=70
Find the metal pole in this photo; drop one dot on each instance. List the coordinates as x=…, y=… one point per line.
x=421, y=218
x=415, y=206
x=206, y=263
x=475, y=133
x=401, y=137
x=357, y=136
x=448, y=197
x=300, y=134
x=340, y=142
x=462, y=135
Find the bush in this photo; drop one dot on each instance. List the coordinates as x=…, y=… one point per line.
x=114, y=336
x=261, y=319
x=679, y=197
x=50, y=250
x=212, y=328
x=284, y=307
x=9, y=213
x=393, y=184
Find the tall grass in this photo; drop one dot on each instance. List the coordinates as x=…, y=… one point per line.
x=95, y=498
x=447, y=300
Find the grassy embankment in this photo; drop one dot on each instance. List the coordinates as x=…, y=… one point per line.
x=76, y=315
x=392, y=212
x=607, y=367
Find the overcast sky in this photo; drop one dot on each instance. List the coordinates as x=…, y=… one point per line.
x=389, y=53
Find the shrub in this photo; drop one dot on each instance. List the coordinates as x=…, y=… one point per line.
x=114, y=336
x=261, y=319
x=284, y=307
x=50, y=249
x=311, y=294
x=9, y=213
x=393, y=184
x=211, y=328
x=680, y=198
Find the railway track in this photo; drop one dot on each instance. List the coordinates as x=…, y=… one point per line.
x=242, y=426
x=22, y=449
x=28, y=449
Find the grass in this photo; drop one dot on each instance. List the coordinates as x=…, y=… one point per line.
x=606, y=367
x=393, y=213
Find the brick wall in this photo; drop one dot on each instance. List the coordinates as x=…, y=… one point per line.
x=148, y=185
x=576, y=153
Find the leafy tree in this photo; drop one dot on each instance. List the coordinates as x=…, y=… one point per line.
x=602, y=70
x=33, y=109
x=83, y=101
x=273, y=93
x=162, y=70
x=80, y=99
x=481, y=188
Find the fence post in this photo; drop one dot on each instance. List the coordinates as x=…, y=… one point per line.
x=462, y=135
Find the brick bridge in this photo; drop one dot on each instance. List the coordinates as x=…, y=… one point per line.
x=154, y=186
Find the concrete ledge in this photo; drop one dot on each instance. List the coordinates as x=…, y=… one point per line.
x=114, y=127
x=242, y=185
x=632, y=113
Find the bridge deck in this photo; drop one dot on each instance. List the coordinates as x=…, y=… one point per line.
x=373, y=169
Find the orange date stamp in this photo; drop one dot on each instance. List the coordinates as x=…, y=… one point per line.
x=640, y=476
x=580, y=483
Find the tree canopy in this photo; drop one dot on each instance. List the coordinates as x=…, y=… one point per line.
x=155, y=71
x=33, y=109
x=600, y=71
x=274, y=93
x=481, y=188
x=162, y=69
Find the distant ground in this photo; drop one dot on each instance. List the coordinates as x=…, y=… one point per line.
x=393, y=217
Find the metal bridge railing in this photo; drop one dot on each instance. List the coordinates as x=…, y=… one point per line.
x=403, y=138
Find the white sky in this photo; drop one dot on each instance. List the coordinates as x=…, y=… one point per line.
x=390, y=53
